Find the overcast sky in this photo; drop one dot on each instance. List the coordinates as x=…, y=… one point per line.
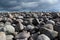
x=30, y=5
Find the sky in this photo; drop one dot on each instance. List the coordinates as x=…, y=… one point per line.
x=30, y=5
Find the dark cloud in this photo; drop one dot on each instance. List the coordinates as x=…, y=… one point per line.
x=29, y=5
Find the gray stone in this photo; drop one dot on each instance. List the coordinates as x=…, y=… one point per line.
x=51, y=22
x=29, y=27
x=49, y=26
x=58, y=14
x=1, y=24
x=21, y=26
x=50, y=33
x=9, y=28
x=20, y=20
x=22, y=39
x=34, y=36
x=43, y=37
x=35, y=21
x=23, y=35
x=20, y=16
x=31, y=38
x=2, y=36
x=9, y=37
x=7, y=23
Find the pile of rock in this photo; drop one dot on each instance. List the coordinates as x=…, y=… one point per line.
x=30, y=26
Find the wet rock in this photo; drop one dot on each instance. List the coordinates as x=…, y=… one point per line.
x=43, y=37
x=2, y=36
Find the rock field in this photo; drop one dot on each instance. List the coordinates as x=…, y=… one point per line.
x=30, y=26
